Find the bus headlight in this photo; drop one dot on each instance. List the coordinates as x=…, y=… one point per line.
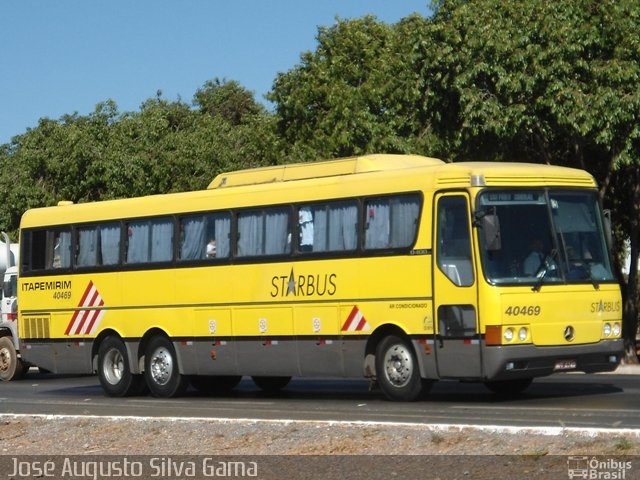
x=508, y=334
x=606, y=329
x=523, y=333
x=617, y=330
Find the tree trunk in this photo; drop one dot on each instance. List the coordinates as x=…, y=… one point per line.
x=630, y=295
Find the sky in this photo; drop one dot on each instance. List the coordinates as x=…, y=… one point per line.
x=59, y=57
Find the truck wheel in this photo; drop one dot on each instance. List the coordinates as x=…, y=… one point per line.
x=11, y=367
x=161, y=369
x=397, y=369
x=114, y=371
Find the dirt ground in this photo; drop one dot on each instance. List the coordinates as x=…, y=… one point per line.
x=310, y=450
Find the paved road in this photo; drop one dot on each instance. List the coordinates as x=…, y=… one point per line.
x=570, y=400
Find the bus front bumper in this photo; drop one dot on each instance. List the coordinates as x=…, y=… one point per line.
x=529, y=361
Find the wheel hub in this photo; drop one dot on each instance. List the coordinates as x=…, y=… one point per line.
x=161, y=366
x=5, y=359
x=113, y=367
x=398, y=365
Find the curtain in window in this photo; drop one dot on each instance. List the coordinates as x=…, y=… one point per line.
x=277, y=239
x=223, y=234
x=63, y=250
x=251, y=234
x=87, y=247
x=161, y=240
x=343, y=220
x=110, y=243
x=404, y=214
x=320, y=229
x=194, y=241
x=378, y=224
x=138, y=248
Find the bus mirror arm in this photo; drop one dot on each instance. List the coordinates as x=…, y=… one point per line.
x=489, y=223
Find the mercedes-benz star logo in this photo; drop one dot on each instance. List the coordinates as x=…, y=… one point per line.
x=569, y=333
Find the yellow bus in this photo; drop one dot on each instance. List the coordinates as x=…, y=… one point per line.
x=401, y=269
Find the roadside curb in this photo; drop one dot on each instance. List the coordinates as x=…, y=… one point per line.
x=627, y=370
x=551, y=431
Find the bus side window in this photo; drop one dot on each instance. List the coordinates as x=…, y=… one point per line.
x=391, y=222
x=87, y=253
x=205, y=236
x=58, y=249
x=150, y=240
x=454, y=241
x=335, y=227
x=264, y=232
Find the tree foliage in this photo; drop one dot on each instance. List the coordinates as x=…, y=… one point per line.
x=339, y=101
x=166, y=146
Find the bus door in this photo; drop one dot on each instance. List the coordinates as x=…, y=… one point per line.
x=455, y=297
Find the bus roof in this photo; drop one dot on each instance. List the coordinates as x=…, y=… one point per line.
x=313, y=181
x=329, y=168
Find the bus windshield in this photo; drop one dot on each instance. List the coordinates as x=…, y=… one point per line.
x=547, y=236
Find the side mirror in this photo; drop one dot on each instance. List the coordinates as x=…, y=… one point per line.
x=490, y=226
x=607, y=227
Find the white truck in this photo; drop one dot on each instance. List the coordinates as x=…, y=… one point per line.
x=11, y=364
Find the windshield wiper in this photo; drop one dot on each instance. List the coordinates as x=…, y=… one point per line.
x=594, y=282
x=545, y=265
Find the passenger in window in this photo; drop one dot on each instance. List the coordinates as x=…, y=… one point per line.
x=537, y=258
x=211, y=248
x=305, y=220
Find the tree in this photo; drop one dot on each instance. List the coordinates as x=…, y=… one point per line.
x=166, y=146
x=338, y=102
x=228, y=100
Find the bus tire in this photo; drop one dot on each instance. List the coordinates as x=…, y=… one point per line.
x=215, y=384
x=271, y=384
x=114, y=371
x=397, y=369
x=509, y=388
x=11, y=367
x=161, y=369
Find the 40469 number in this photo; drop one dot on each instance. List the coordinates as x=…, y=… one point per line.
x=62, y=295
x=525, y=310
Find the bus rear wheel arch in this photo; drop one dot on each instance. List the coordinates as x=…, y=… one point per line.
x=161, y=368
x=114, y=371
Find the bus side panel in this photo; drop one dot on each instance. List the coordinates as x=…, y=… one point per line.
x=267, y=356
x=319, y=346
x=215, y=350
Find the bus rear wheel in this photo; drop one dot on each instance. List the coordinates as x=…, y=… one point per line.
x=114, y=371
x=11, y=367
x=397, y=369
x=161, y=369
x=271, y=384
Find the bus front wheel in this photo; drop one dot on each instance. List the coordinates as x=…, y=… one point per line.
x=161, y=369
x=114, y=371
x=11, y=367
x=397, y=369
